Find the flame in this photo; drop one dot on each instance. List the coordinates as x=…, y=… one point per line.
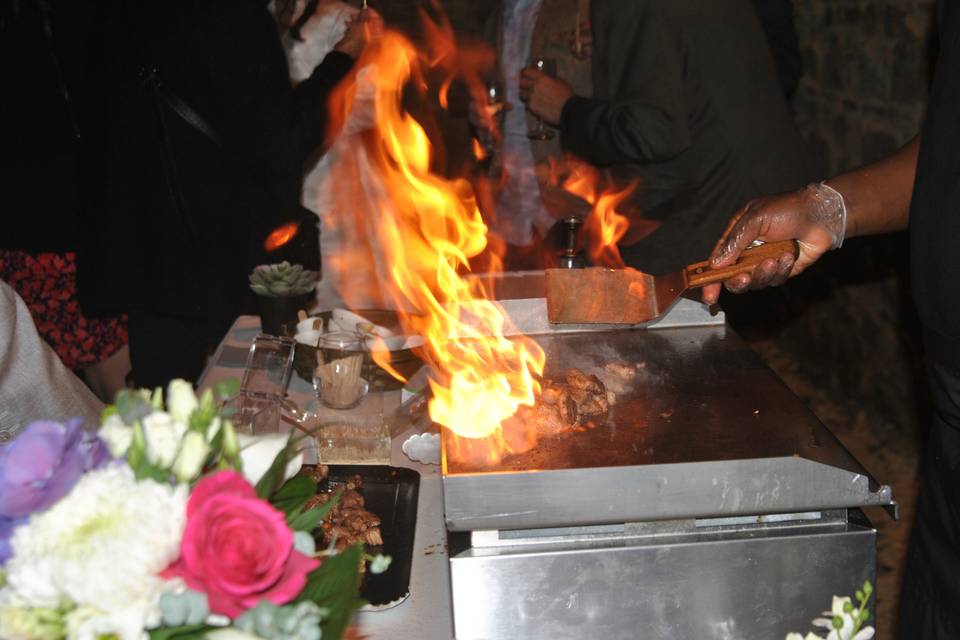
x=478, y=151
x=428, y=228
x=604, y=227
x=280, y=236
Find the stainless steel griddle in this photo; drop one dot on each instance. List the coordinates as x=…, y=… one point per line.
x=709, y=485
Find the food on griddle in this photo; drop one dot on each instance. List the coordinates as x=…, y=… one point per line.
x=622, y=371
x=348, y=522
x=565, y=405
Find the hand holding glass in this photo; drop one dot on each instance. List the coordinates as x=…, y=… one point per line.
x=546, y=66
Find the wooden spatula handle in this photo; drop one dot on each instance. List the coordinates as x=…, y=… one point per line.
x=701, y=273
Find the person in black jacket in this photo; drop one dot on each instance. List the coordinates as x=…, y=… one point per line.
x=203, y=145
x=686, y=101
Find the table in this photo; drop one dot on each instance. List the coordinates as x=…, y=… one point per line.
x=427, y=613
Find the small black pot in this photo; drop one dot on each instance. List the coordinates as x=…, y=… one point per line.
x=278, y=315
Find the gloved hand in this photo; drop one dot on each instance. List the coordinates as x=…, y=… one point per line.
x=816, y=216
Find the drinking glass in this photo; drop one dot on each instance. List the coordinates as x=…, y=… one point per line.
x=341, y=360
x=549, y=67
x=496, y=104
x=268, y=367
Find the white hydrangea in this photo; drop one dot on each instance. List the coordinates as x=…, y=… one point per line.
x=100, y=548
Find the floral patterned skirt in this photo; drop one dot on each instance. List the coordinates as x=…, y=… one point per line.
x=47, y=282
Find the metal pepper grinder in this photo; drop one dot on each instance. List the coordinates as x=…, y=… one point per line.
x=570, y=258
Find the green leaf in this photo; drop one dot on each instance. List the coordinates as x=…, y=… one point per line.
x=335, y=586
x=273, y=478
x=294, y=493
x=310, y=520
x=156, y=400
x=108, y=411
x=226, y=389
x=131, y=405
x=186, y=632
x=137, y=453
x=216, y=448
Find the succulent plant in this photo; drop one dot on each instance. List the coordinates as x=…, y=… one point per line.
x=284, y=279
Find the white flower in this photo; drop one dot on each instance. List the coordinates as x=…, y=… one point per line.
x=213, y=428
x=193, y=452
x=230, y=634
x=162, y=434
x=90, y=623
x=181, y=400
x=257, y=454
x=117, y=435
x=21, y=623
x=100, y=548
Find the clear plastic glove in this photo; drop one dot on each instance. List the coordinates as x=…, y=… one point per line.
x=364, y=27
x=815, y=216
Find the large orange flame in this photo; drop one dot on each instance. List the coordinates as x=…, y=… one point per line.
x=427, y=229
x=604, y=227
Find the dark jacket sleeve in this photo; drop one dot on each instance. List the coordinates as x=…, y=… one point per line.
x=639, y=112
x=264, y=117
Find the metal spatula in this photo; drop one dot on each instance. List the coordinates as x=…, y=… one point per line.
x=628, y=296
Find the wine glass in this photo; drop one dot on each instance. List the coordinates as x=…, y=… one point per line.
x=495, y=109
x=549, y=67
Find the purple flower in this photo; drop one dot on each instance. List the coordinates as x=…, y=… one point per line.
x=40, y=466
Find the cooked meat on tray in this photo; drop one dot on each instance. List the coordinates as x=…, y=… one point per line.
x=348, y=522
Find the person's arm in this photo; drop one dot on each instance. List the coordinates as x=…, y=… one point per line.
x=870, y=200
x=34, y=384
x=646, y=117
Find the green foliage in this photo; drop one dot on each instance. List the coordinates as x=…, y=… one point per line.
x=273, y=478
x=138, y=460
x=294, y=493
x=185, y=632
x=283, y=279
x=132, y=406
x=310, y=520
x=335, y=586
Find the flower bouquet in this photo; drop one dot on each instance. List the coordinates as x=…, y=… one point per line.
x=166, y=525
x=845, y=620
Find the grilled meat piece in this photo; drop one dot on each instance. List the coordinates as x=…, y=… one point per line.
x=568, y=409
x=348, y=522
x=584, y=382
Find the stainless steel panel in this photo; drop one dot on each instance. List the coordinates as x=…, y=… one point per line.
x=725, y=587
x=652, y=492
x=705, y=430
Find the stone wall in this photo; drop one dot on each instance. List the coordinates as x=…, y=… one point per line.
x=866, y=69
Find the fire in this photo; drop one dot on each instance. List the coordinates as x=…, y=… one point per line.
x=428, y=228
x=478, y=151
x=280, y=236
x=604, y=227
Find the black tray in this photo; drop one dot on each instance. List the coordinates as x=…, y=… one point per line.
x=391, y=493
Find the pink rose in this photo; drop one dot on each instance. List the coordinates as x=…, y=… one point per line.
x=237, y=548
